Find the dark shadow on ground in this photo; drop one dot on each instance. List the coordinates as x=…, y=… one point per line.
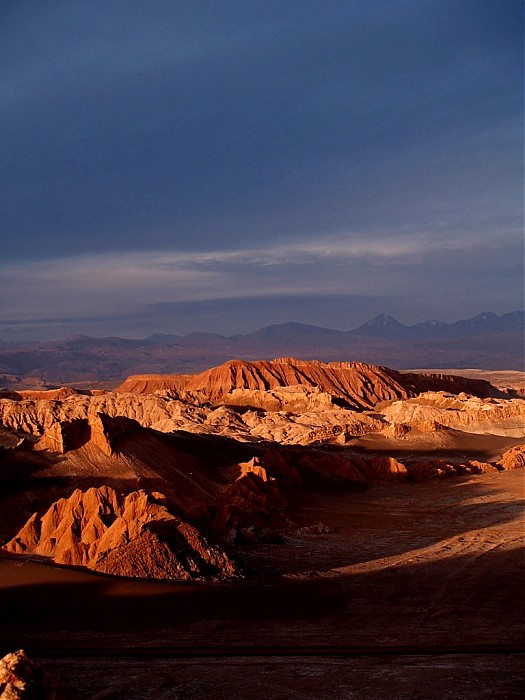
x=462, y=600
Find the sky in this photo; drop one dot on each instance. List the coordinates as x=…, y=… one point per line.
x=175, y=166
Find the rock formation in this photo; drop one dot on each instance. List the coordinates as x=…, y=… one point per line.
x=133, y=535
x=358, y=384
x=454, y=384
x=63, y=436
x=471, y=414
x=292, y=399
x=289, y=401
x=42, y=395
x=514, y=458
x=259, y=495
x=150, y=383
x=21, y=678
x=352, y=467
x=232, y=450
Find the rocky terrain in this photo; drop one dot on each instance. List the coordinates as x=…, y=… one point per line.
x=21, y=678
x=163, y=477
x=283, y=482
x=512, y=382
x=134, y=536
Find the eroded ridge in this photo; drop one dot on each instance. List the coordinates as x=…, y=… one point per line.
x=133, y=535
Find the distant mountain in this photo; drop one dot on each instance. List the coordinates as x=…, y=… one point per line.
x=515, y=320
x=293, y=333
x=489, y=322
x=199, y=339
x=87, y=341
x=195, y=338
x=429, y=329
x=384, y=326
x=486, y=341
x=484, y=323
x=162, y=338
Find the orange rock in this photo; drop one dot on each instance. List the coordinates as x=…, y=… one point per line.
x=64, y=436
x=513, y=458
x=353, y=467
x=253, y=499
x=424, y=469
x=149, y=383
x=131, y=535
x=42, y=395
x=21, y=677
x=360, y=385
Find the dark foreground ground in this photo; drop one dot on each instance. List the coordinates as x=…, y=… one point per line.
x=269, y=678
x=417, y=593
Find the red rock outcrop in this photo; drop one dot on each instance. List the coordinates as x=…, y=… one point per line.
x=35, y=417
x=352, y=468
x=419, y=382
x=167, y=414
x=21, y=678
x=252, y=500
x=513, y=458
x=330, y=399
x=42, y=395
x=425, y=469
x=133, y=535
x=259, y=494
x=359, y=385
x=471, y=414
x=64, y=436
x=150, y=383
x=294, y=399
x=102, y=431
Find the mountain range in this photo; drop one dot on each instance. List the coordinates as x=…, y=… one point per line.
x=485, y=341
x=382, y=325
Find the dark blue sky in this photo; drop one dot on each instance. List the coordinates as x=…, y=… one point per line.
x=175, y=166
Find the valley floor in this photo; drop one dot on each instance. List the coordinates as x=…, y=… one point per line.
x=404, y=591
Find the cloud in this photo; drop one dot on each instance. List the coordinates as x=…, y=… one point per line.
x=396, y=266
x=188, y=152
x=249, y=121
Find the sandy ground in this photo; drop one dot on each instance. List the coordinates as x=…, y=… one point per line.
x=417, y=593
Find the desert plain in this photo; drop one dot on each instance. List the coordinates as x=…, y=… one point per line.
x=283, y=529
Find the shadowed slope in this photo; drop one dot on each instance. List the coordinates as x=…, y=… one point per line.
x=134, y=536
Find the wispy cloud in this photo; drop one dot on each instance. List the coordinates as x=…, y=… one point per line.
x=114, y=284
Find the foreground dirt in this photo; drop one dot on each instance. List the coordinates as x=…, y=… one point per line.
x=455, y=677
x=424, y=581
